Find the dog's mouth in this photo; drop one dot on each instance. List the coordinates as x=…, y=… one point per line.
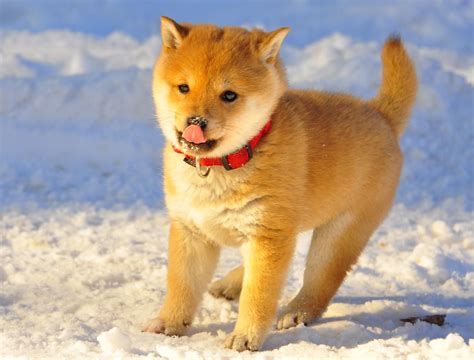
x=192, y=147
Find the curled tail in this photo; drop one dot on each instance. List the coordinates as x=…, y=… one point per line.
x=399, y=84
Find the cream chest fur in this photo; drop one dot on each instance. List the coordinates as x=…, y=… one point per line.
x=200, y=202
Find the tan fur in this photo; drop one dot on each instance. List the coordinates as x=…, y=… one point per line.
x=331, y=162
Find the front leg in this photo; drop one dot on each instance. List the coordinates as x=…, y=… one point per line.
x=191, y=263
x=265, y=272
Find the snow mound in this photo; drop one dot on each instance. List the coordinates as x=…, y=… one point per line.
x=68, y=53
x=114, y=340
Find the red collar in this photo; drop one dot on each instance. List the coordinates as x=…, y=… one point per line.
x=234, y=160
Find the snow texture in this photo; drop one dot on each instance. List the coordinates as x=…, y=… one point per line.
x=83, y=229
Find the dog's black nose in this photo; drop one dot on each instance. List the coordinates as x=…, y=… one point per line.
x=197, y=120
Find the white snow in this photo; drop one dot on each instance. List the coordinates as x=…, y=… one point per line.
x=68, y=53
x=114, y=341
x=83, y=227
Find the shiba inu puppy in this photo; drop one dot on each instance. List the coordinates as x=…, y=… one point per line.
x=263, y=163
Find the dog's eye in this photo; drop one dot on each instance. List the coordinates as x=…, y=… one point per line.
x=228, y=96
x=183, y=88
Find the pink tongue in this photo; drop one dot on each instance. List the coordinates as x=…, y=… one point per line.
x=194, y=134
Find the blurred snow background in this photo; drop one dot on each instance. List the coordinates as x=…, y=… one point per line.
x=83, y=228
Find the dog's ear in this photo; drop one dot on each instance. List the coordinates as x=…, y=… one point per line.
x=270, y=46
x=172, y=33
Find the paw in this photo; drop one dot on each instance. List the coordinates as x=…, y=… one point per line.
x=293, y=318
x=159, y=325
x=241, y=342
x=226, y=289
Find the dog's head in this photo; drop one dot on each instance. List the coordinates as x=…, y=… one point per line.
x=215, y=88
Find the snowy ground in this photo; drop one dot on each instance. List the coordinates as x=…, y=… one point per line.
x=83, y=230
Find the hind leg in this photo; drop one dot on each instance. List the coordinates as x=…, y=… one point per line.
x=335, y=246
x=229, y=286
